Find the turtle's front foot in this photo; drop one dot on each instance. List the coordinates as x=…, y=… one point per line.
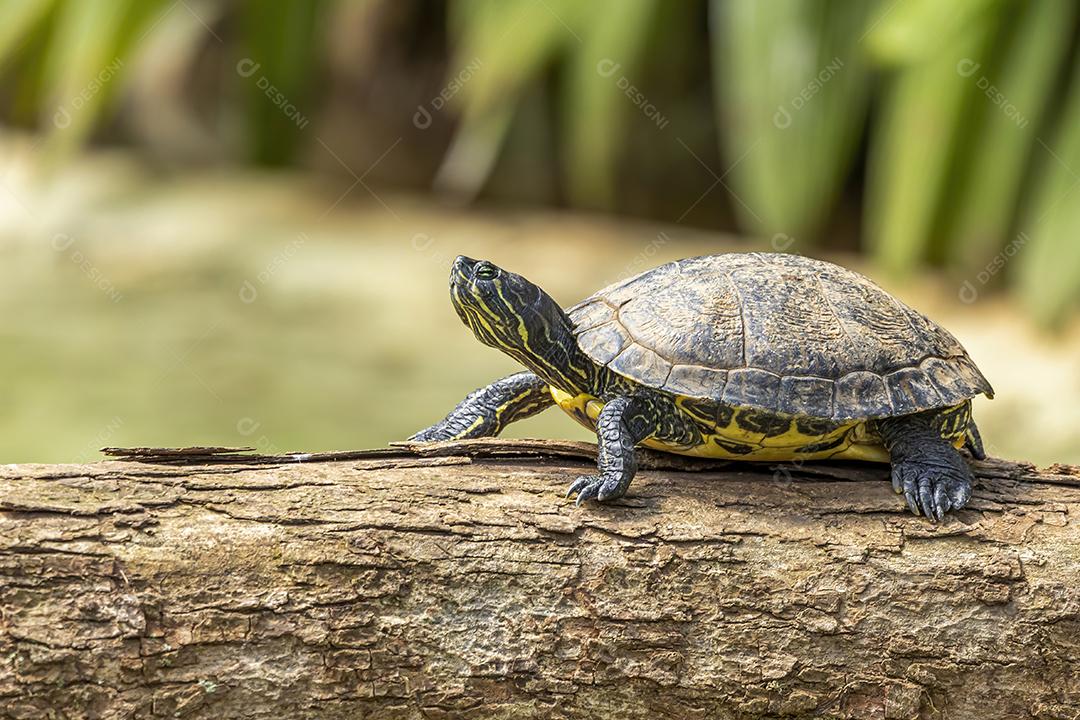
x=933, y=485
x=599, y=487
x=623, y=423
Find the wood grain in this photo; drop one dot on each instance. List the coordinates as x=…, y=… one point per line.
x=454, y=581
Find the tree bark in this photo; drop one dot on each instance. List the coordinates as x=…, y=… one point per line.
x=454, y=581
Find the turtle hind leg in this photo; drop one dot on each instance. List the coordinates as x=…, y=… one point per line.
x=926, y=467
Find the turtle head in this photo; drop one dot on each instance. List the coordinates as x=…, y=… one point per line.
x=506, y=311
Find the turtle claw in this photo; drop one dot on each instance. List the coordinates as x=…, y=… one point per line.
x=912, y=500
x=904, y=484
x=590, y=487
x=587, y=487
x=942, y=504
x=932, y=488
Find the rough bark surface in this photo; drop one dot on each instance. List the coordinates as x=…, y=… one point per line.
x=453, y=581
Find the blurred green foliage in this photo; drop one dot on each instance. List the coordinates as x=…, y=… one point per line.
x=953, y=127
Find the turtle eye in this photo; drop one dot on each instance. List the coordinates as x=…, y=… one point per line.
x=484, y=271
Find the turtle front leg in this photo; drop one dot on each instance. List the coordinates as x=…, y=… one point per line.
x=926, y=467
x=622, y=424
x=485, y=412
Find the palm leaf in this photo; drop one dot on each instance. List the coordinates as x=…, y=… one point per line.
x=595, y=107
x=1047, y=249
x=279, y=35
x=511, y=42
x=920, y=122
x=17, y=20
x=85, y=62
x=1014, y=92
x=791, y=89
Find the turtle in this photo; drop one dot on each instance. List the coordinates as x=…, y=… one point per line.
x=743, y=356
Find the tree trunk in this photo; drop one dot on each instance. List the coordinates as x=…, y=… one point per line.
x=454, y=581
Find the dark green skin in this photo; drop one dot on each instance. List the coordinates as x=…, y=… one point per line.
x=498, y=305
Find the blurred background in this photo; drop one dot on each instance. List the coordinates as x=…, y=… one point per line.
x=230, y=222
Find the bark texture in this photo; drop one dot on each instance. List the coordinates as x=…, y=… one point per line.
x=453, y=581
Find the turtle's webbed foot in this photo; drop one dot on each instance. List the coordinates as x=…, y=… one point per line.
x=933, y=485
x=598, y=487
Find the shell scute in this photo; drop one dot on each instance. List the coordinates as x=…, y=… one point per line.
x=806, y=396
x=689, y=380
x=591, y=314
x=606, y=341
x=862, y=393
x=646, y=365
x=751, y=387
x=910, y=391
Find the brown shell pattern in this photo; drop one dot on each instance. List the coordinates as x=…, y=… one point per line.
x=778, y=332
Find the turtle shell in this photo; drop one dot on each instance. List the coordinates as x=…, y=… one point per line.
x=783, y=333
